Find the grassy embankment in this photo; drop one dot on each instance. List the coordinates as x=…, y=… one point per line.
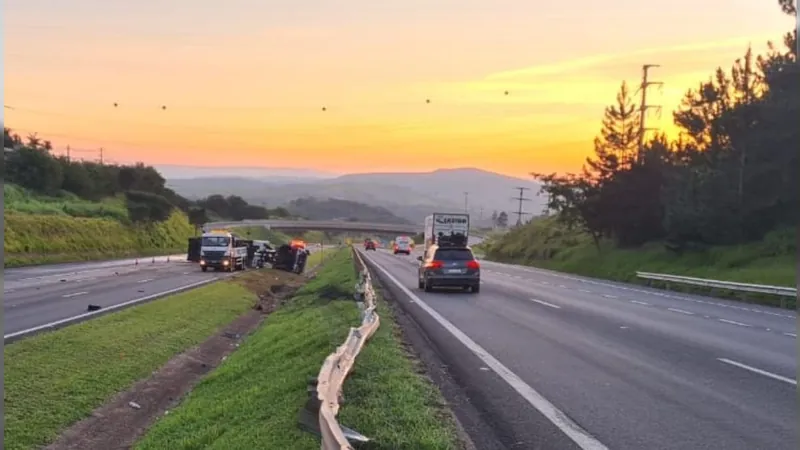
x=41, y=230
x=253, y=399
x=55, y=379
x=544, y=243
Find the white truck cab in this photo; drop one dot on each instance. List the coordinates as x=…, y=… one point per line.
x=220, y=249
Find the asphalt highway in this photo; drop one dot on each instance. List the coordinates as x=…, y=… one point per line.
x=556, y=361
x=40, y=295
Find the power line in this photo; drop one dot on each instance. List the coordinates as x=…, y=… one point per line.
x=520, y=213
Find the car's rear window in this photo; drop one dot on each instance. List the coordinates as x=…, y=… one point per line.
x=453, y=254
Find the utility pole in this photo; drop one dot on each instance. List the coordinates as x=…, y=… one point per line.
x=68, y=158
x=101, y=156
x=520, y=213
x=466, y=202
x=646, y=83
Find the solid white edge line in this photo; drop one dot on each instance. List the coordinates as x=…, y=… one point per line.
x=758, y=371
x=106, y=309
x=542, y=302
x=581, y=437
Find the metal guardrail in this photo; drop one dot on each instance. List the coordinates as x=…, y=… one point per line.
x=717, y=284
x=325, y=392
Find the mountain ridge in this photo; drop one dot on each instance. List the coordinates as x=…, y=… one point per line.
x=410, y=195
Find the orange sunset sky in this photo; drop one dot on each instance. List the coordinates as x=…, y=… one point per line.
x=245, y=81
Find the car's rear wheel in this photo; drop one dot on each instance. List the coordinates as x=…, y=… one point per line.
x=475, y=289
x=428, y=286
x=421, y=284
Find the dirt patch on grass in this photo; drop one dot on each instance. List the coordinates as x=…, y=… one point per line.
x=273, y=288
x=125, y=418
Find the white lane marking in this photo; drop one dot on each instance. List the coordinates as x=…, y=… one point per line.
x=790, y=335
x=562, y=286
x=585, y=291
x=581, y=437
x=541, y=302
x=758, y=371
x=609, y=296
x=74, y=294
x=641, y=291
x=733, y=322
x=688, y=313
x=640, y=303
x=145, y=280
x=544, y=282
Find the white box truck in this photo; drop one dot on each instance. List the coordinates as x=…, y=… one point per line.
x=446, y=230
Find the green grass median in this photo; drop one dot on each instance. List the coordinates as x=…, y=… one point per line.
x=252, y=400
x=55, y=379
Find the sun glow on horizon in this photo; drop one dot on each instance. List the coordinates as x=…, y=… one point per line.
x=359, y=107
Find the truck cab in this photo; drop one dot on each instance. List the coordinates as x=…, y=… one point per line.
x=221, y=250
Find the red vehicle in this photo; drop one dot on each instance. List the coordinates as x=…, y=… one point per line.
x=370, y=245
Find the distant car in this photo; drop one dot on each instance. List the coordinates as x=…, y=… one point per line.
x=402, y=244
x=449, y=267
x=369, y=245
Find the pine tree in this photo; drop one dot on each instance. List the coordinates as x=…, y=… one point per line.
x=616, y=147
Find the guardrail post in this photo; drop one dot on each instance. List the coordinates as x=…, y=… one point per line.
x=308, y=418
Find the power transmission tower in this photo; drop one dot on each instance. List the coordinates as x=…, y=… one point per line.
x=646, y=83
x=520, y=213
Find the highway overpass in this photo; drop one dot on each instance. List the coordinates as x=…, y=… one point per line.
x=321, y=225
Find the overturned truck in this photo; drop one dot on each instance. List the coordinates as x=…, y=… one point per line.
x=291, y=257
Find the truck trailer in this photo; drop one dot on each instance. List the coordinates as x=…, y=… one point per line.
x=446, y=230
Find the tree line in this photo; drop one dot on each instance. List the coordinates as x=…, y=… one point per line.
x=32, y=165
x=729, y=177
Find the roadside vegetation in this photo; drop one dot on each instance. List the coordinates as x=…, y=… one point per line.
x=720, y=202
x=252, y=400
x=56, y=379
x=547, y=243
x=60, y=210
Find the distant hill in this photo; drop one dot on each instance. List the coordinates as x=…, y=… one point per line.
x=411, y=196
x=336, y=209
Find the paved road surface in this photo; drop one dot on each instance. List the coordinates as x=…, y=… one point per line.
x=38, y=295
x=30, y=302
x=559, y=361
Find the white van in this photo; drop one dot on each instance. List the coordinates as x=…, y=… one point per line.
x=402, y=244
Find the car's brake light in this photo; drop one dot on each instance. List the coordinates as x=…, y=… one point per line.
x=434, y=265
x=473, y=265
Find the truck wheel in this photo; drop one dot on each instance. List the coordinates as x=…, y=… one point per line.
x=204, y=268
x=420, y=284
x=427, y=286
